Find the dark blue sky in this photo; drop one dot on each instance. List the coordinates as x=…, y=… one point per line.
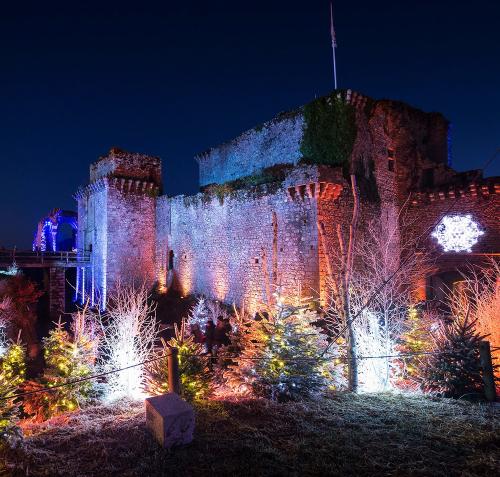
x=173, y=78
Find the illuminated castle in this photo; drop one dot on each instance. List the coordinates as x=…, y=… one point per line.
x=271, y=200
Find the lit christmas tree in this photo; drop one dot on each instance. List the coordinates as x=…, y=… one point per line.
x=454, y=368
x=415, y=341
x=198, y=315
x=12, y=375
x=67, y=359
x=281, y=355
x=193, y=367
x=13, y=364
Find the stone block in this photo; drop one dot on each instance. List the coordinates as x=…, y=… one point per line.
x=170, y=419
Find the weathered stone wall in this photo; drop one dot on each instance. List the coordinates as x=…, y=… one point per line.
x=275, y=142
x=118, y=163
x=386, y=130
x=117, y=213
x=228, y=244
x=131, y=240
x=163, y=240
x=57, y=292
x=93, y=236
x=219, y=246
x=480, y=200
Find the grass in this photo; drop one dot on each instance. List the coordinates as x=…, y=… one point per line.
x=345, y=434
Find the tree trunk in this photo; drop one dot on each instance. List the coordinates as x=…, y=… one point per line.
x=352, y=347
x=348, y=266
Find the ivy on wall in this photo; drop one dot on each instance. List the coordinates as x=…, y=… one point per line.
x=329, y=131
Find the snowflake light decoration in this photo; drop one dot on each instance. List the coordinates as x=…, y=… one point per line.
x=457, y=233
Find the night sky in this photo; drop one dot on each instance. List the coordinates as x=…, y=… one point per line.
x=174, y=78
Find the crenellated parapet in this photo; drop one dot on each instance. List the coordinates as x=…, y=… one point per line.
x=315, y=190
x=483, y=188
x=96, y=186
x=123, y=184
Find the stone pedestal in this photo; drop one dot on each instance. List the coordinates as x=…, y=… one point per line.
x=170, y=419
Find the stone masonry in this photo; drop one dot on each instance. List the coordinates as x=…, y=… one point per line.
x=236, y=239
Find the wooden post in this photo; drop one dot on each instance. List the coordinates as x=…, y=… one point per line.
x=487, y=366
x=174, y=385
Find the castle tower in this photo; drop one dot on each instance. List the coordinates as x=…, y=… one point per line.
x=116, y=217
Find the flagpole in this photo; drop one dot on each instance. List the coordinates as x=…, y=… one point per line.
x=334, y=45
x=334, y=68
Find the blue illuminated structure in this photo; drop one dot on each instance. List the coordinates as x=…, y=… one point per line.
x=46, y=235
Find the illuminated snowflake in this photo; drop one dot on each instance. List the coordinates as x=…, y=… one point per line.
x=457, y=233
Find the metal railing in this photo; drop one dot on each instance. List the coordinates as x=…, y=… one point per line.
x=26, y=257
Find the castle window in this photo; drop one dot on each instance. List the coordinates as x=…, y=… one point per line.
x=390, y=165
x=171, y=260
x=390, y=153
x=256, y=260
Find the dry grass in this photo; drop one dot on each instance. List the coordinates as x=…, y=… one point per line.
x=339, y=435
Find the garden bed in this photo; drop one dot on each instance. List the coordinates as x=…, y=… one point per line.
x=339, y=435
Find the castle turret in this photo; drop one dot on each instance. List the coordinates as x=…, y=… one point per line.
x=116, y=216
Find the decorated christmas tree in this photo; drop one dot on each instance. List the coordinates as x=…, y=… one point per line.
x=67, y=359
x=454, y=369
x=193, y=369
x=283, y=355
x=13, y=364
x=12, y=375
x=413, y=343
x=198, y=315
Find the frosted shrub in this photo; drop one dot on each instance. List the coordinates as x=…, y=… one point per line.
x=283, y=355
x=129, y=331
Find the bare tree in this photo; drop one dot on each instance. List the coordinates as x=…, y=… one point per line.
x=479, y=293
x=6, y=314
x=129, y=332
x=339, y=283
x=374, y=316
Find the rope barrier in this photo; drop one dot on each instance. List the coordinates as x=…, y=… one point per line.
x=107, y=373
x=81, y=380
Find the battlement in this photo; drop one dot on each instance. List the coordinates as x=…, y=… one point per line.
x=127, y=165
x=480, y=188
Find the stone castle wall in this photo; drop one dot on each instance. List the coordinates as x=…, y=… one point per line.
x=229, y=249
x=479, y=200
x=275, y=142
x=131, y=245
x=117, y=215
x=230, y=243
x=118, y=163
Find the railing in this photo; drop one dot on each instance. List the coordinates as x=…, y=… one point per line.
x=25, y=257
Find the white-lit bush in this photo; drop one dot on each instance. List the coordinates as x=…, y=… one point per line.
x=129, y=331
